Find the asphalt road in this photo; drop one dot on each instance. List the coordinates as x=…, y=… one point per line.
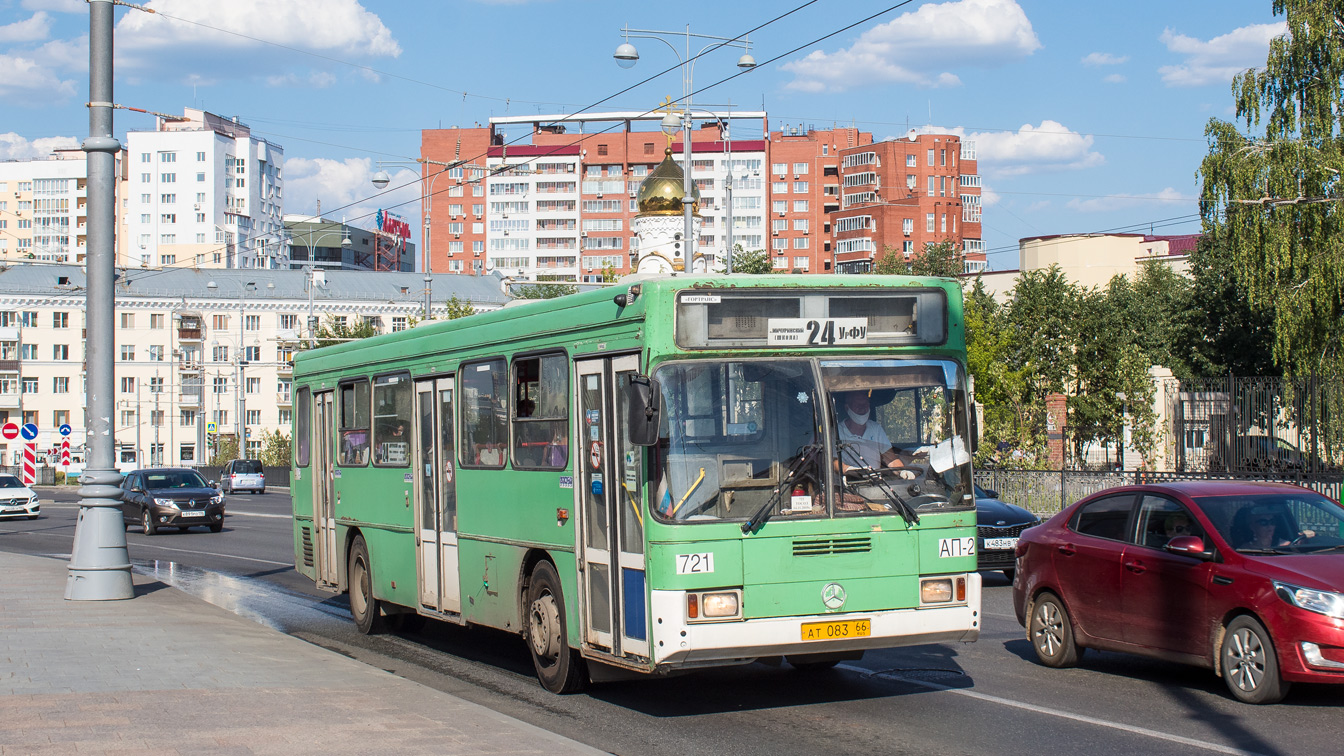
x=987, y=697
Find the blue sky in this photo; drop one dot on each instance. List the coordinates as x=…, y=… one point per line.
x=1086, y=116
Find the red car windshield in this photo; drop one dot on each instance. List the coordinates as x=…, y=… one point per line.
x=1287, y=522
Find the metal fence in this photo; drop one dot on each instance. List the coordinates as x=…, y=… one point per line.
x=1257, y=425
x=1046, y=492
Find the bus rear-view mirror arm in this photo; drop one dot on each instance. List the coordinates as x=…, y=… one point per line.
x=642, y=410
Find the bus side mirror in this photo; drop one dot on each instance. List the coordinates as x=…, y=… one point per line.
x=642, y=410
x=975, y=430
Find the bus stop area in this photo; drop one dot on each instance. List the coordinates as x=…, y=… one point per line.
x=166, y=673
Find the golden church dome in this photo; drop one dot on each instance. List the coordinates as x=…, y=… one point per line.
x=661, y=192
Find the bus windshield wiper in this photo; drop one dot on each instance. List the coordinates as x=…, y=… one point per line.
x=874, y=478
x=795, y=471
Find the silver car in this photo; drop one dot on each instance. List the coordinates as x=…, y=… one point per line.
x=16, y=499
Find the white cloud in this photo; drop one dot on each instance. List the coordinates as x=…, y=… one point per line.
x=989, y=197
x=16, y=147
x=31, y=30
x=1219, y=59
x=1128, y=201
x=314, y=80
x=57, y=6
x=1031, y=149
x=217, y=39
x=1115, y=79
x=345, y=189
x=911, y=48
x=1104, y=59
x=25, y=81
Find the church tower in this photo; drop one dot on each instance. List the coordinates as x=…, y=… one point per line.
x=661, y=223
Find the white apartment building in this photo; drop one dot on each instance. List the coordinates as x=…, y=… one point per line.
x=192, y=347
x=558, y=204
x=201, y=191
x=43, y=207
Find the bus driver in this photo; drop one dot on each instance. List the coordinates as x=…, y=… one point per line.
x=863, y=441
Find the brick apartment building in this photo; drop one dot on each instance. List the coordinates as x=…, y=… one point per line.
x=558, y=205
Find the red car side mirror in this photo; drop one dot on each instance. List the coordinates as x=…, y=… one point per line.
x=1187, y=545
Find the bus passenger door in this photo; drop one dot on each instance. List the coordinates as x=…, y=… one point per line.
x=436, y=496
x=611, y=524
x=326, y=556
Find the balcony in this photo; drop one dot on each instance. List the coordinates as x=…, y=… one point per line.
x=9, y=366
x=9, y=401
x=190, y=400
x=189, y=334
x=283, y=399
x=284, y=368
x=190, y=367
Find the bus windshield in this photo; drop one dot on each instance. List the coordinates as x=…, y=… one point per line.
x=739, y=436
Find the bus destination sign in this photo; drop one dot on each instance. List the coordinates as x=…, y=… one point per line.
x=819, y=332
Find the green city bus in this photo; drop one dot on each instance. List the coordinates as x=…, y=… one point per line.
x=658, y=476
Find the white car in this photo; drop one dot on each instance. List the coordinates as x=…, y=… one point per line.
x=16, y=499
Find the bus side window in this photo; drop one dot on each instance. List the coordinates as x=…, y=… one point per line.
x=540, y=412
x=354, y=414
x=485, y=429
x=392, y=420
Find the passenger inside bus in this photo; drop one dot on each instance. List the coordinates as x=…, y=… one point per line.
x=355, y=447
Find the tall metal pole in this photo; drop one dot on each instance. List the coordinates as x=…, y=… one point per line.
x=687, y=184
x=728, y=250
x=100, y=566
x=242, y=403
x=429, y=205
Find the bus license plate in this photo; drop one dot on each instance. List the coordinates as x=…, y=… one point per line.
x=1001, y=543
x=858, y=628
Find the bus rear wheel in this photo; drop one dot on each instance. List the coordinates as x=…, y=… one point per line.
x=559, y=668
x=364, y=607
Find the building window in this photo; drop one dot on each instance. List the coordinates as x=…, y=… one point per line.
x=187, y=452
x=800, y=206
x=156, y=353
x=60, y=320
x=28, y=351
x=252, y=354
x=187, y=418
x=168, y=178
x=800, y=187
x=60, y=352
x=221, y=384
x=928, y=222
x=930, y=156
x=127, y=353
x=155, y=384
x=253, y=417
x=800, y=168
x=30, y=385
x=219, y=353
x=127, y=385
x=253, y=384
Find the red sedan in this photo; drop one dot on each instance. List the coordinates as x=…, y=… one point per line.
x=1244, y=578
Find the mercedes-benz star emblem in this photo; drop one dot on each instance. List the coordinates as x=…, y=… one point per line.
x=833, y=596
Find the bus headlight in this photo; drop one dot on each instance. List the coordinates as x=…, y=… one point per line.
x=713, y=606
x=935, y=590
x=942, y=590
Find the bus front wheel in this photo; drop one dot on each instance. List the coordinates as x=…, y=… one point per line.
x=363, y=606
x=559, y=668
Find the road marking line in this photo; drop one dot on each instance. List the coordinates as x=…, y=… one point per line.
x=211, y=553
x=1057, y=713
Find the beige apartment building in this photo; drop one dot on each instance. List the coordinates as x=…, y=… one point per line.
x=199, y=354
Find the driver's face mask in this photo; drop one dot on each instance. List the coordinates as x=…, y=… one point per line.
x=857, y=418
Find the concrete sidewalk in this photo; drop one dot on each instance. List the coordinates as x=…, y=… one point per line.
x=166, y=673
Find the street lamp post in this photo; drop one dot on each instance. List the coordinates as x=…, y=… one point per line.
x=239, y=363
x=381, y=180
x=626, y=56
x=311, y=267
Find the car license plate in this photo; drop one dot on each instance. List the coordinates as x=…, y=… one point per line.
x=857, y=628
x=1000, y=543
x=193, y=514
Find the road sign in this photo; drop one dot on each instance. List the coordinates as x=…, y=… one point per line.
x=211, y=428
x=29, y=431
x=65, y=429
x=10, y=431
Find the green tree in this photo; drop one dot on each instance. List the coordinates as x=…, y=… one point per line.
x=1223, y=333
x=332, y=331
x=1041, y=322
x=890, y=263
x=938, y=259
x=226, y=448
x=1271, y=202
x=754, y=262
x=1013, y=431
x=275, y=449
x=458, y=308
x=545, y=291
